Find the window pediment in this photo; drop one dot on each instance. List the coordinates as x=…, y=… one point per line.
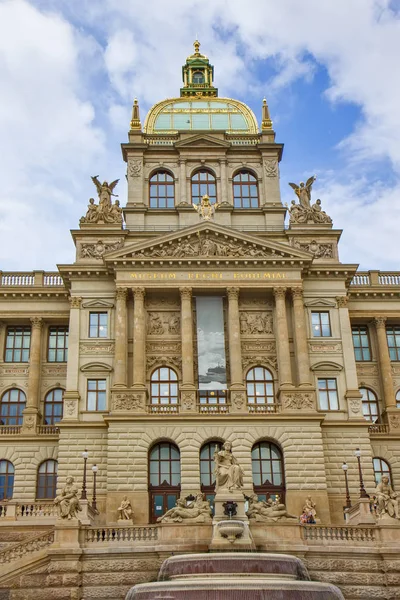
x=97, y=303
x=96, y=367
x=326, y=366
x=320, y=302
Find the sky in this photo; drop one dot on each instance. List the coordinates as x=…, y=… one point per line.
x=70, y=69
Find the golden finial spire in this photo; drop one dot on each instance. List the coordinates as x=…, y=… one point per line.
x=135, y=121
x=196, y=45
x=266, y=122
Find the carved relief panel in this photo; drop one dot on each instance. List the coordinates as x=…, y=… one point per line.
x=163, y=323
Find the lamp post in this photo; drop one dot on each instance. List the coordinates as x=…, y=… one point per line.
x=85, y=455
x=363, y=493
x=348, y=499
x=95, y=468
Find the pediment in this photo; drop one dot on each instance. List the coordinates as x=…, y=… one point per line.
x=204, y=140
x=96, y=367
x=209, y=242
x=320, y=302
x=97, y=303
x=326, y=366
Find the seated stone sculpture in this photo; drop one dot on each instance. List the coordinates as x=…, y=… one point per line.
x=228, y=472
x=269, y=510
x=197, y=510
x=387, y=502
x=67, y=502
x=310, y=509
x=125, y=511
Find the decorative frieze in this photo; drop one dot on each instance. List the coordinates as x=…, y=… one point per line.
x=160, y=323
x=12, y=370
x=161, y=302
x=53, y=370
x=315, y=248
x=261, y=303
x=366, y=370
x=97, y=347
x=325, y=347
x=170, y=361
x=99, y=248
x=264, y=361
x=163, y=348
x=127, y=401
x=298, y=401
x=256, y=323
x=267, y=347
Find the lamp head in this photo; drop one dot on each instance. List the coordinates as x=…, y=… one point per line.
x=85, y=454
x=345, y=466
x=95, y=468
x=357, y=452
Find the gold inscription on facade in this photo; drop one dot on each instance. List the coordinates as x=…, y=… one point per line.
x=213, y=275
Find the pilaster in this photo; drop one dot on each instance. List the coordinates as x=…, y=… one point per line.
x=139, y=343
x=187, y=389
x=384, y=363
x=71, y=394
x=282, y=338
x=31, y=413
x=300, y=338
x=121, y=341
x=237, y=388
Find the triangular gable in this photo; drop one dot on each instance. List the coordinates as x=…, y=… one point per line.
x=97, y=303
x=320, y=302
x=209, y=241
x=202, y=139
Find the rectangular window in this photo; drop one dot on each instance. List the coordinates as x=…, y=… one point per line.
x=328, y=394
x=361, y=345
x=98, y=324
x=18, y=342
x=96, y=394
x=321, y=326
x=57, y=350
x=393, y=340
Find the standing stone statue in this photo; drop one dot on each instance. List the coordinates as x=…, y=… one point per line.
x=303, y=191
x=304, y=212
x=228, y=472
x=67, y=502
x=125, y=511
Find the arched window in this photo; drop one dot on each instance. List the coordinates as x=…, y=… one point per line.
x=381, y=468
x=245, y=190
x=398, y=399
x=268, y=473
x=198, y=77
x=6, y=479
x=164, y=390
x=162, y=190
x=370, y=405
x=47, y=480
x=164, y=478
x=203, y=183
x=13, y=403
x=207, y=476
x=260, y=390
x=53, y=406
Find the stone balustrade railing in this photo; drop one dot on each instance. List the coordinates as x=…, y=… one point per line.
x=321, y=534
x=30, y=279
x=36, y=510
x=10, y=429
x=115, y=535
x=33, y=544
x=376, y=278
x=378, y=428
x=40, y=430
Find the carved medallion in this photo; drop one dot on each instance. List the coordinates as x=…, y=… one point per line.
x=127, y=401
x=135, y=168
x=271, y=168
x=298, y=401
x=355, y=405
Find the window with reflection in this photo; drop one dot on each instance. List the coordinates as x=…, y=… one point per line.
x=98, y=324
x=162, y=190
x=267, y=469
x=12, y=405
x=96, y=394
x=6, y=479
x=198, y=77
x=381, y=468
x=47, y=480
x=328, y=394
x=370, y=405
x=393, y=340
x=57, y=344
x=207, y=476
x=203, y=183
x=245, y=190
x=53, y=407
x=398, y=398
x=18, y=341
x=362, y=350
x=164, y=478
x=260, y=387
x=164, y=388
x=321, y=325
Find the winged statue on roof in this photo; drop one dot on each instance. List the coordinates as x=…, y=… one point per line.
x=303, y=191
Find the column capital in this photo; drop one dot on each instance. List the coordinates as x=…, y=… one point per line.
x=279, y=292
x=121, y=293
x=139, y=293
x=186, y=293
x=297, y=292
x=380, y=322
x=233, y=293
x=75, y=301
x=342, y=301
x=37, y=322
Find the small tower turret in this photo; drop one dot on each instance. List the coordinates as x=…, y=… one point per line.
x=198, y=75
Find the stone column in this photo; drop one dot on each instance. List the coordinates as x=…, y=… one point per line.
x=182, y=181
x=31, y=412
x=237, y=388
x=121, y=341
x=353, y=395
x=282, y=337
x=224, y=182
x=71, y=394
x=219, y=189
x=384, y=363
x=188, y=388
x=139, y=338
x=300, y=335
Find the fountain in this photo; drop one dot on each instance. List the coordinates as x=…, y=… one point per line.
x=234, y=576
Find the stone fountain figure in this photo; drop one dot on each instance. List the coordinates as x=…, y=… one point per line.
x=197, y=510
x=228, y=472
x=267, y=511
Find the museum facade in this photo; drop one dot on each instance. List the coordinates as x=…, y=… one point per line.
x=190, y=317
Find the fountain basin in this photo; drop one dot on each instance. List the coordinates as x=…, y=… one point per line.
x=238, y=564
x=233, y=588
x=231, y=529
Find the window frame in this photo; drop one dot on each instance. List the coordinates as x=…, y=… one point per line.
x=64, y=331
x=239, y=185
x=362, y=348
x=172, y=400
x=328, y=390
x=156, y=185
x=7, y=474
x=395, y=329
x=98, y=325
x=26, y=334
x=196, y=199
x=50, y=419
x=268, y=488
x=96, y=392
x=319, y=326
x=367, y=401
x=19, y=413
x=49, y=478
x=265, y=383
x=382, y=472
x=163, y=491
